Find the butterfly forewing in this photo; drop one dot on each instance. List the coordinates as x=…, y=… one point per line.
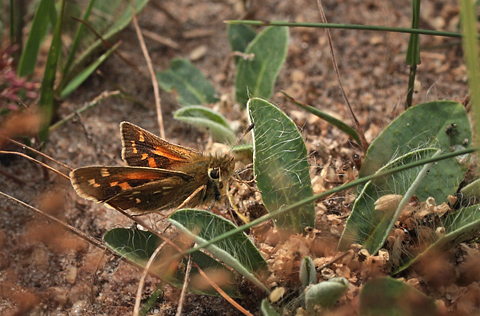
x=143, y=149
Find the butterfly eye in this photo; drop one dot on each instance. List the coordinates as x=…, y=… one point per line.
x=214, y=173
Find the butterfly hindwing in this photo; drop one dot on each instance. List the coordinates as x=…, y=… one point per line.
x=158, y=195
x=100, y=183
x=143, y=149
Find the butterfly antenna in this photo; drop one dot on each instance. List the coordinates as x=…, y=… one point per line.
x=249, y=128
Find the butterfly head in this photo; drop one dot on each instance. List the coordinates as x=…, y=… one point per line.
x=219, y=172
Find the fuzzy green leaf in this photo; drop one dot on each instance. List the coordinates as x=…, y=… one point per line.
x=133, y=244
x=138, y=246
x=239, y=36
x=207, y=119
x=256, y=78
x=267, y=309
x=308, y=275
x=243, y=150
x=421, y=126
x=188, y=82
x=324, y=294
x=387, y=296
x=237, y=251
x=281, y=165
x=370, y=227
x=459, y=226
x=471, y=190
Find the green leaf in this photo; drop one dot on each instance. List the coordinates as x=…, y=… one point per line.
x=256, y=78
x=151, y=301
x=135, y=245
x=36, y=36
x=239, y=36
x=46, y=102
x=369, y=226
x=461, y=222
x=419, y=127
x=188, y=82
x=138, y=246
x=281, y=165
x=324, y=294
x=237, y=251
x=83, y=75
x=308, y=274
x=243, y=151
x=267, y=309
x=471, y=190
x=459, y=226
x=387, y=296
x=207, y=119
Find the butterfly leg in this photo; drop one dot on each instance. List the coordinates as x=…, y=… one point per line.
x=211, y=206
x=188, y=199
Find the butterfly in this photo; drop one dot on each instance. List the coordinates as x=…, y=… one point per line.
x=159, y=176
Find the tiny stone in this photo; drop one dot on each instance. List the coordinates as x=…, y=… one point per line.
x=71, y=274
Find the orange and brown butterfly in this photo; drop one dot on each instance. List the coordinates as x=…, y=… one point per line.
x=159, y=176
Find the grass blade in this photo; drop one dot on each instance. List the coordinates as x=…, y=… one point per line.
x=76, y=43
x=46, y=103
x=413, y=52
x=328, y=118
x=39, y=27
x=83, y=75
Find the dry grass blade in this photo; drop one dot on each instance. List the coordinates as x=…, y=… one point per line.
x=185, y=286
x=87, y=105
x=35, y=151
x=107, y=44
x=92, y=285
x=326, y=264
x=71, y=229
x=161, y=39
x=152, y=73
x=136, y=309
x=51, y=218
x=223, y=294
x=35, y=160
x=357, y=126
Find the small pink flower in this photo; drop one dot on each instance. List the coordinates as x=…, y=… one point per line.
x=13, y=107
